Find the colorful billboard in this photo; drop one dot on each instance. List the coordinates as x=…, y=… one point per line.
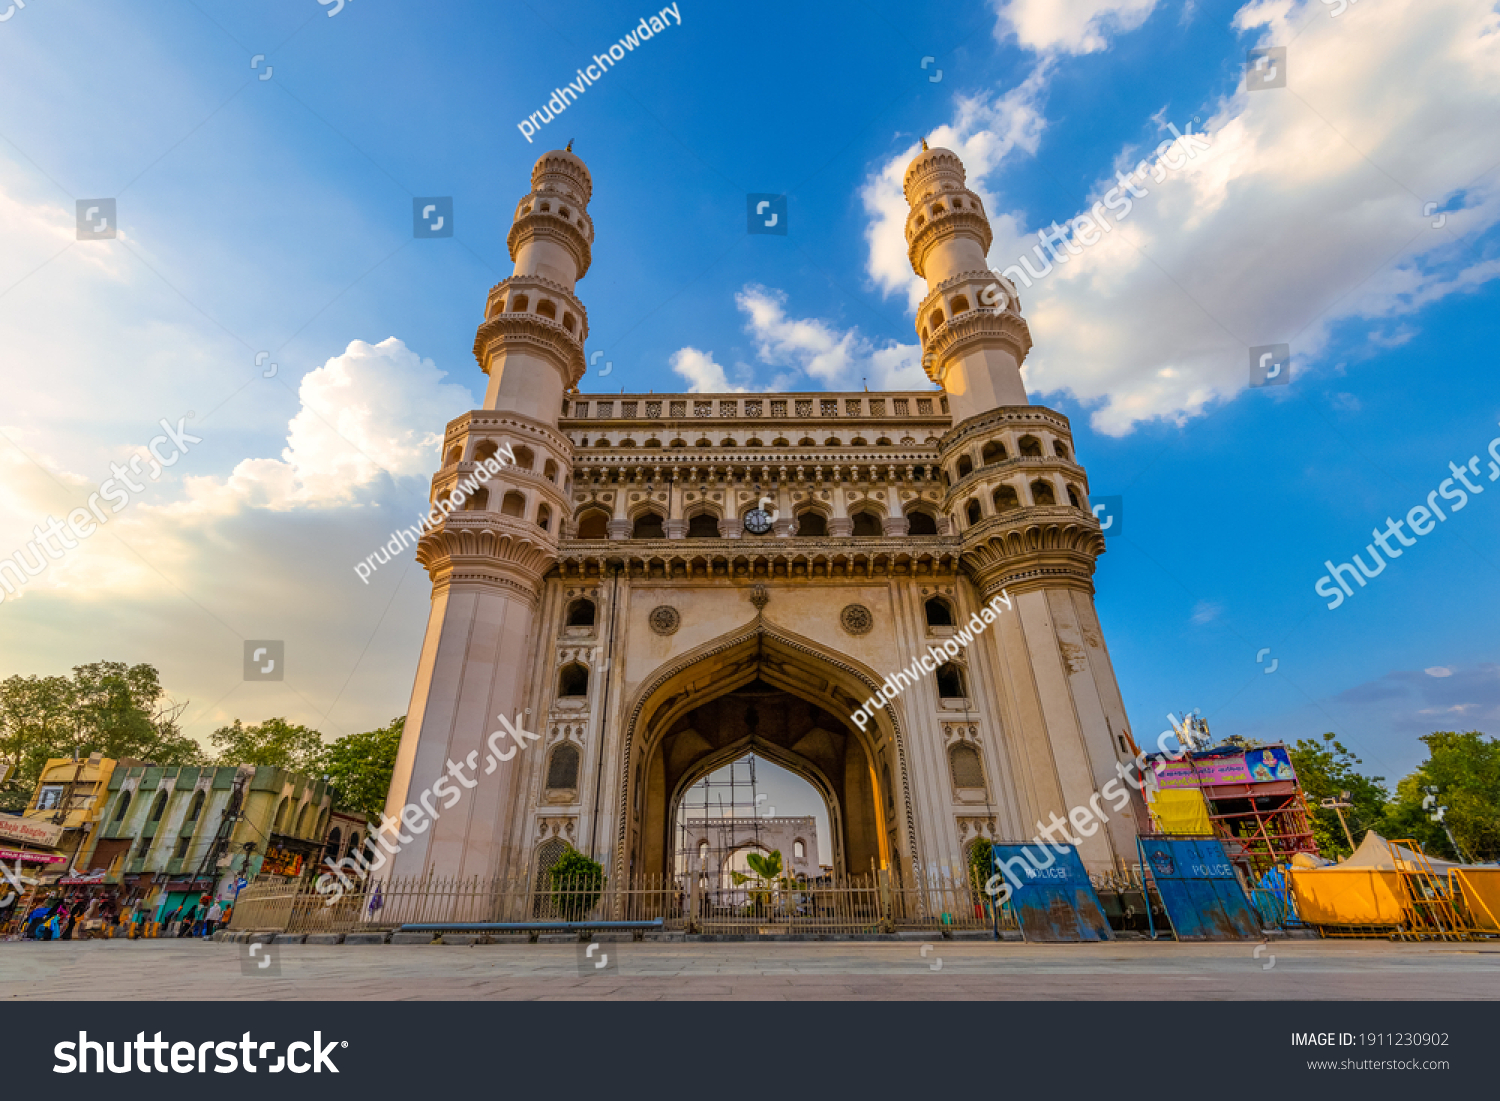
x=1251, y=766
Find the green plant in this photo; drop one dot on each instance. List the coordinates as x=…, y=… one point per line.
x=576, y=882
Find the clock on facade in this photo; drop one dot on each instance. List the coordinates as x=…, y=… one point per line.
x=757, y=521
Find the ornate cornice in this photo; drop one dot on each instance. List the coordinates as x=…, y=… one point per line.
x=1014, y=416
x=747, y=558
x=972, y=329
x=530, y=332
x=526, y=282
x=1046, y=547
x=488, y=545
x=547, y=225
x=949, y=223
x=960, y=279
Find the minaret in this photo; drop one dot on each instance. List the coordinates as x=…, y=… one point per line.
x=1019, y=500
x=487, y=560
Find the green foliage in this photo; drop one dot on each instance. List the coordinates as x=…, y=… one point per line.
x=768, y=867
x=108, y=707
x=577, y=882
x=274, y=743
x=1465, y=768
x=981, y=861
x=1325, y=770
x=359, y=766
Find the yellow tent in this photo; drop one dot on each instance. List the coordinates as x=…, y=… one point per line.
x=1181, y=811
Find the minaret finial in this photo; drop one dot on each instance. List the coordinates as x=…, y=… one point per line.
x=570, y=146
x=924, y=145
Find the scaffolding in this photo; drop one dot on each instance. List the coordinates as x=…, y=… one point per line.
x=706, y=840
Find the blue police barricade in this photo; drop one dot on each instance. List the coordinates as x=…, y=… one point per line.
x=1198, y=887
x=1051, y=894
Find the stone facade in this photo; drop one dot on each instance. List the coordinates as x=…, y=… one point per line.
x=609, y=588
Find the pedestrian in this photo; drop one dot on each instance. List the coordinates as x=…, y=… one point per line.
x=212, y=921
x=187, y=922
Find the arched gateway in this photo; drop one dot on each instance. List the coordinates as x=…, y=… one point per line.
x=765, y=691
x=651, y=585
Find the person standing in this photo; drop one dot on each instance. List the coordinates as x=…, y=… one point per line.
x=210, y=923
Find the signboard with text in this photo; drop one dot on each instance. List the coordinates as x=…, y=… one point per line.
x=31, y=858
x=30, y=831
x=1251, y=766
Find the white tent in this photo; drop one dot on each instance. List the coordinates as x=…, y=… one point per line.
x=1376, y=852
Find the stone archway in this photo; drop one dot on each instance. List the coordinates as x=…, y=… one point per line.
x=786, y=699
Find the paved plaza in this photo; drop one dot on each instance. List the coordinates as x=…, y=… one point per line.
x=945, y=970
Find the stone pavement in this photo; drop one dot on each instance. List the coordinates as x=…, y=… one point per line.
x=949, y=970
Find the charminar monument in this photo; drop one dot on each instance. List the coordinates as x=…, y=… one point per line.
x=663, y=583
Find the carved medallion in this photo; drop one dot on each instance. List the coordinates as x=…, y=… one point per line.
x=856, y=619
x=665, y=619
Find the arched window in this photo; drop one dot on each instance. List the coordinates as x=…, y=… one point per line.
x=1031, y=447
x=485, y=451
x=1042, y=493
x=581, y=613
x=354, y=841
x=543, y=517
x=833, y=441
x=562, y=769
x=158, y=807
x=514, y=504
x=280, y=819
x=550, y=471
x=593, y=524
x=939, y=614
x=547, y=309
x=1060, y=449
x=652, y=442
x=972, y=512
x=195, y=808
x=524, y=458
x=518, y=304
x=920, y=523
x=568, y=321
x=884, y=441
x=959, y=305
x=455, y=453
x=858, y=441
x=704, y=443
x=573, y=680
x=301, y=827
x=965, y=466
x=678, y=442
x=648, y=525
x=335, y=839
x=728, y=441
x=965, y=766
x=866, y=525
x=477, y=501
x=994, y=452
x=950, y=682
x=807, y=441
x=753, y=442
x=123, y=806
x=799, y=850
x=781, y=441
x=705, y=525
x=935, y=318
x=811, y=522
x=1006, y=499
x=702, y=854
x=1073, y=497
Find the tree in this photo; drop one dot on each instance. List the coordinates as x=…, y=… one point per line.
x=576, y=882
x=1465, y=768
x=1326, y=771
x=108, y=707
x=359, y=766
x=274, y=743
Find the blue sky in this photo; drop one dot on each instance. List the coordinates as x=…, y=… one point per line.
x=275, y=215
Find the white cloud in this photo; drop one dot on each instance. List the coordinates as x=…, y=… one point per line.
x=1069, y=26
x=1206, y=611
x=799, y=349
x=702, y=374
x=1305, y=212
x=1438, y=671
x=372, y=409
